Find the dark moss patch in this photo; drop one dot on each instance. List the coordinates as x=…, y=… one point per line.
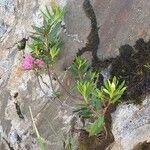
x=130, y=66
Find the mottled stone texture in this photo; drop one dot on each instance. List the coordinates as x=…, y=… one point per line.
x=120, y=22
x=131, y=125
x=16, y=18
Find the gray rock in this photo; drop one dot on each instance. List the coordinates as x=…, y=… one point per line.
x=52, y=115
x=3, y=28
x=8, y=5
x=120, y=22
x=131, y=125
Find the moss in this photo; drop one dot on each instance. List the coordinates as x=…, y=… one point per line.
x=129, y=66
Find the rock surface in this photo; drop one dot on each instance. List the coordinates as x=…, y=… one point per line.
x=52, y=117
x=120, y=22
x=131, y=125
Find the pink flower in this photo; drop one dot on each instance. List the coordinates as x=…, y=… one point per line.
x=39, y=62
x=27, y=62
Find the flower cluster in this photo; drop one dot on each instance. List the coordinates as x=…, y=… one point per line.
x=29, y=62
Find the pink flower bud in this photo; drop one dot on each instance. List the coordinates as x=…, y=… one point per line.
x=39, y=62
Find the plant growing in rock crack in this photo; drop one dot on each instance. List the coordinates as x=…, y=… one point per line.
x=45, y=44
x=95, y=102
x=45, y=47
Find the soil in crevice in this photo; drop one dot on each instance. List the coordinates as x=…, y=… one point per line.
x=99, y=142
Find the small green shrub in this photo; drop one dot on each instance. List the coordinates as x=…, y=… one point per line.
x=95, y=101
x=45, y=40
x=112, y=91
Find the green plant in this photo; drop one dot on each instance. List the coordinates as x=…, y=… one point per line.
x=79, y=67
x=45, y=43
x=95, y=101
x=45, y=47
x=45, y=40
x=112, y=91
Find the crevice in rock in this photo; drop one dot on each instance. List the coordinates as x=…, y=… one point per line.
x=9, y=145
x=93, y=37
x=101, y=141
x=16, y=95
x=18, y=110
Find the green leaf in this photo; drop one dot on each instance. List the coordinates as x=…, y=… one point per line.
x=49, y=13
x=83, y=112
x=37, y=39
x=115, y=81
x=95, y=127
x=95, y=102
x=54, y=30
x=115, y=98
x=37, y=29
x=106, y=91
x=121, y=85
x=113, y=87
x=54, y=52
